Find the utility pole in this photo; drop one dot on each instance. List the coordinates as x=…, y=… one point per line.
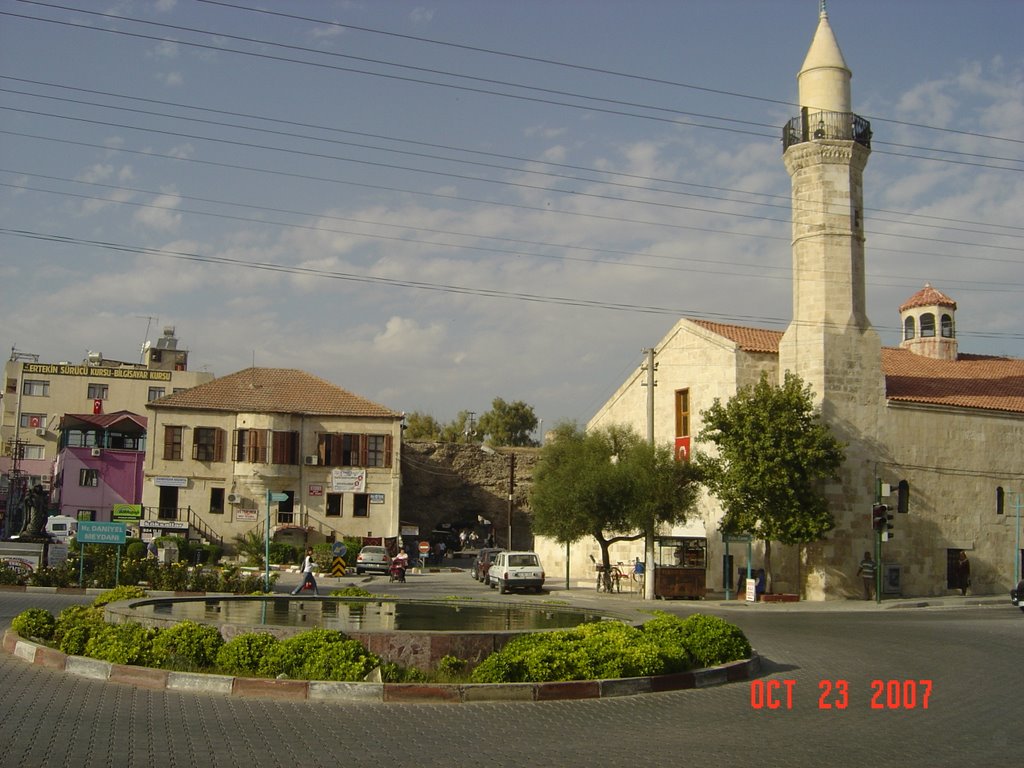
x=649, y=531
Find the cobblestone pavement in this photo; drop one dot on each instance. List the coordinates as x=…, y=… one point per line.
x=970, y=653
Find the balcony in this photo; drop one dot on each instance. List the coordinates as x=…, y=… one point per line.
x=838, y=126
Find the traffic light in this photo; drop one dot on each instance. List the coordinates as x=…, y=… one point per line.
x=880, y=518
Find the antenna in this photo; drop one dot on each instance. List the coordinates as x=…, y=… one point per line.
x=145, y=342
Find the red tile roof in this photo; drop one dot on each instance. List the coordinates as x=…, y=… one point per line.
x=274, y=390
x=102, y=420
x=928, y=297
x=971, y=381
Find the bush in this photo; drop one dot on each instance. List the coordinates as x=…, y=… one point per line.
x=283, y=553
x=128, y=643
x=11, y=575
x=135, y=551
x=75, y=625
x=351, y=592
x=187, y=645
x=125, y=592
x=35, y=623
x=243, y=655
x=711, y=640
x=320, y=654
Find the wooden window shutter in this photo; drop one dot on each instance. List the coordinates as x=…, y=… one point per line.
x=387, y=450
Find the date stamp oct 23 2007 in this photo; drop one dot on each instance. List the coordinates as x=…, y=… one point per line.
x=838, y=695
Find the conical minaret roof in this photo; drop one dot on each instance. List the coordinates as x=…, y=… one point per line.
x=824, y=79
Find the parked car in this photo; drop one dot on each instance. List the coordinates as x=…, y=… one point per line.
x=1017, y=595
x=372, y=558
x=515, y=570
x=482, y=563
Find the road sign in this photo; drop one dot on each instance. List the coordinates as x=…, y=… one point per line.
x=424, y=547
x=276, y=496
x=90, y=532
x=338, y=549
x=736, y=538
x=338, y=566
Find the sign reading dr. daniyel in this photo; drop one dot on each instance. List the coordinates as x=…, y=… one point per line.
x=348, y=481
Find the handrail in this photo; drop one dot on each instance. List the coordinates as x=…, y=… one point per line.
x=825, y=125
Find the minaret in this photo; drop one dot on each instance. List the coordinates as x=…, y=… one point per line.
x=830, y=342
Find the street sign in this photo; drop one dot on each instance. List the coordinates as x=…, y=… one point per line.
x=338, y=566
x=90, y=532
x=338, y=549
x=424, y=547
x=737, y=538
x=276, y=496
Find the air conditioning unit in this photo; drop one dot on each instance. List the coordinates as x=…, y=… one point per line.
x=234, y=498
x=312, y=461
x=96, y=452
x=40, y=431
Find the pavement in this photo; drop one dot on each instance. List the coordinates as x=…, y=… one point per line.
x=967, y=648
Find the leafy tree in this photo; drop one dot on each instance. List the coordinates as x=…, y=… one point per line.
x=773, y=454
x=610, y=484
x=459, y=430
x=509, y=423
x=252, y=546
x=421, y=426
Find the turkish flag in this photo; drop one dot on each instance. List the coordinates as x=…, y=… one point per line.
x=97, y=406
x=683, y=448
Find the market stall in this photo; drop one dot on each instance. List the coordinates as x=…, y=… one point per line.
x=680, y=566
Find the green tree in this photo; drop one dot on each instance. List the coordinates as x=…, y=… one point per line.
x=252, y=546
x=773, y=454
x=421, y=426
x=508, y=423
x=461, y=429
x=610, y=484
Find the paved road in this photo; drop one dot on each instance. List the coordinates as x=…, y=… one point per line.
x=971, y=656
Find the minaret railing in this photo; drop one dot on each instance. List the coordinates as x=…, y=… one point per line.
x=822, y=125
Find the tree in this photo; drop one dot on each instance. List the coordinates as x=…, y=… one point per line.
x=773, y=454
x=610, y=484
x=459, y=430
x=421, y=426
x=508, y=423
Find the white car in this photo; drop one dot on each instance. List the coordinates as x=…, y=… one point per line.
x=373, y=558
x=515, y=570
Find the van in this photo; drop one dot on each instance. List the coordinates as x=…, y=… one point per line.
x=61, y=528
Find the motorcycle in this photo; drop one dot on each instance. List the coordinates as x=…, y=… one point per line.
x=396, y=571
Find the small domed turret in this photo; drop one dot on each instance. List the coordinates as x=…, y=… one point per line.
x=929, y=324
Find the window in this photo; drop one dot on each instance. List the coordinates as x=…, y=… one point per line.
x=208, y=444
x=32, y=452
x=250, y=445
x=345, y=450
x=89, y=477
x=173, y=437
x=682, y=412
x=36, y=388
x=360, y=505
x=216, y=501
x=947, y=326
x=98, y=392
x=286, y=509
x=285, y=448
x=375, y=450
x=908, y=328
x=88, y=515
x=33, y=420
x=155, y=393
x=334, y=504
x=927, y=325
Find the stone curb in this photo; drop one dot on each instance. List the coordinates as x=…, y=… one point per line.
x=392, y=693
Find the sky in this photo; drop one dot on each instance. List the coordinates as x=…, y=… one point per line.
x=434, y=204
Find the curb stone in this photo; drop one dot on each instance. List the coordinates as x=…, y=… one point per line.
x=405, y=693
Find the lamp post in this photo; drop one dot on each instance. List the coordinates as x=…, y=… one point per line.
x=511, y=485
x=271, y=497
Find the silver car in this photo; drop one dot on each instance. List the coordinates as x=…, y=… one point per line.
x=373, y=558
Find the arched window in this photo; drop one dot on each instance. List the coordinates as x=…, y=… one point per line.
x=908, y=328
x=947, y=327
x=927, y=325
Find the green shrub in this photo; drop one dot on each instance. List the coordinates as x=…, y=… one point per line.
x=711, y=640
x=392, y=673
x=128, y=643
x=135, y=551
x=451, y=666
x=10, y=575
x=35, y=623
x=243, y=655
x=320, y=654
x=187, y=645
x=118, y=593
x=75, y=625
x=283, y=553
x=351, y=592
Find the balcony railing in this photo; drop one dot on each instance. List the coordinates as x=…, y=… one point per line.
x=811, y=126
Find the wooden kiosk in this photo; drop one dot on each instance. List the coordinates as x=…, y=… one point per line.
x=680, y=567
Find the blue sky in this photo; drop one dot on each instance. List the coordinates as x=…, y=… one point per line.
x=435, y=204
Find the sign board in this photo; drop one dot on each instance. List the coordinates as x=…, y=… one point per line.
x=737, y=538
x=338, y=549
x=751, y=590
x=424, y=547
x=271, y=497
x=338, y=566
x=56, y=554
x=376, y=498
x=157, y=525
x=93, y=532
x=407, y=529
x=247, y=515
x=348, y=480
x=682, y=448
x=171, y=482
x=316, y=490
x=126, y=512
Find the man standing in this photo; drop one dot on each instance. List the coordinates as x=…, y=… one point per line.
x=963, y=573
x=867, y=575
x=307, y=574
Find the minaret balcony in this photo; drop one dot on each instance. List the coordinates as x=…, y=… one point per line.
x=838, y=126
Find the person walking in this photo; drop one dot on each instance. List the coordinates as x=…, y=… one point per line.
x=963, y=573
x=307, y=574
x=867, y=575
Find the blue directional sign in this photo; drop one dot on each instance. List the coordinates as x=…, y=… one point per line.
x=338, y=549
x=90, y=532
